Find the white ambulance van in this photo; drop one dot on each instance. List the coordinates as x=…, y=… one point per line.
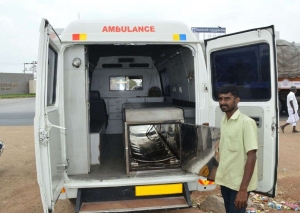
x=127, y=112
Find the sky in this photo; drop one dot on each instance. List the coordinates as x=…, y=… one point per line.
x=20, y=20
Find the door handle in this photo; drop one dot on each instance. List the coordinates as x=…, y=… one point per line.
x=50, y=125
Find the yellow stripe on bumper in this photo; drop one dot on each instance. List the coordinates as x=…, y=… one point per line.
x=158, y=189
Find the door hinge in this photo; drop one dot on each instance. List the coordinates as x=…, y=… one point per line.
x=63, y=166
x=48, y=31
x=273, y=126
x=205, y=88
x=43, y=137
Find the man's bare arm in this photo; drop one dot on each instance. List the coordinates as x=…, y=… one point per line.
x=242, y=195
x=292, y=105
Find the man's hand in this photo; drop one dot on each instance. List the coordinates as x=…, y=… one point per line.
x=241, y=199
x=242, y=195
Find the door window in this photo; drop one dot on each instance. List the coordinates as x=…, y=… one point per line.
x=51, y=78
x=247, y=67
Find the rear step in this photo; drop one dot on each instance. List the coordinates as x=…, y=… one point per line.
x=123, y=199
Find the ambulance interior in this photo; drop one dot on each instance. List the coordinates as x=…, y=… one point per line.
x=121, y=78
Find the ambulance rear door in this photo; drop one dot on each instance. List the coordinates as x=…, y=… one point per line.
x=248, y=60
x=49, y=133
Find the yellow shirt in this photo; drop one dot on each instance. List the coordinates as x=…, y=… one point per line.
x=238, y=136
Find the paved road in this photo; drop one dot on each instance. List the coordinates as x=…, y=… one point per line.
x=20, y=112
x=17, y=112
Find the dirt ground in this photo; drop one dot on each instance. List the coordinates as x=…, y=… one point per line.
x=19, y=190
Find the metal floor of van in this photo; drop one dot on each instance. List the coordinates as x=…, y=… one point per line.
x=113, y=162
x=113, y=165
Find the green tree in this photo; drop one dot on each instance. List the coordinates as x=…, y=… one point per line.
x=132, y=83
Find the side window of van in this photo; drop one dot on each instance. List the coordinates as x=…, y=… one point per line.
x=246, y=67
x=51, y=77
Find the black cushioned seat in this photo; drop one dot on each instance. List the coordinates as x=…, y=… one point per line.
x=98, y=112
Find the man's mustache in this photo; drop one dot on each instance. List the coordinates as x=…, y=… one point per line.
x=223, y=105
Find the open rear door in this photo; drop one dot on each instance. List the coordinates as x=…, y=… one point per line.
x=48, y=120
x=248, y=60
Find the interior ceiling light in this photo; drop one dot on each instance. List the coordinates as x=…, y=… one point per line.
x=76, y=62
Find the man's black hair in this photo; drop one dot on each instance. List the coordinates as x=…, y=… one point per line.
x=229, y=88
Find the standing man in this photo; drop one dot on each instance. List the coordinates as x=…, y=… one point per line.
x=292, y=105
x=237, y=171
x=1, y=147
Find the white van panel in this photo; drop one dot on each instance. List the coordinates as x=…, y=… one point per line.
x=135, y=100
x=179, y=68
x=76, y=112
x=100, y=81
x=98, y=31
x=116, y=101
x=154, y=99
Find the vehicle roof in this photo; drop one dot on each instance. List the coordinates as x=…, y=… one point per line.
x=127, y=30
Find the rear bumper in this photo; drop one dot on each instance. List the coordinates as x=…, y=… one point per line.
x=192, y=180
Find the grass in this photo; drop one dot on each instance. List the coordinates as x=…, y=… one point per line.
x=17, y=96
